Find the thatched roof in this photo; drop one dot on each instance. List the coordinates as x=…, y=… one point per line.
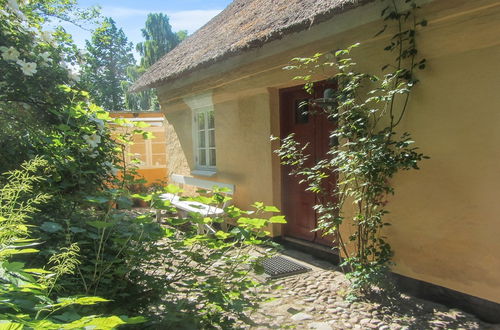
x=243, y=25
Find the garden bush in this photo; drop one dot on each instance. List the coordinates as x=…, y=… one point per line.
x=90, y=243
x=25, y=300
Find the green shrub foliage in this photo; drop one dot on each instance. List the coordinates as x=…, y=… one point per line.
x=25, y=300
x=183, y=273
x=42, y=109
x=91, y=243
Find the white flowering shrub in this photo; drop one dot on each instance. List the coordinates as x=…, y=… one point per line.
x=42, y=109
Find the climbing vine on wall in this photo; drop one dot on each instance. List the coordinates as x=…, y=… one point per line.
x=366, y=149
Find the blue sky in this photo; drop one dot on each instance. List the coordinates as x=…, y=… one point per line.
x=130, y=15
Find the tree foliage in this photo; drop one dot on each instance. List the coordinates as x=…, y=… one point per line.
x=140, y=101
x=159, y=40
x=109, y=54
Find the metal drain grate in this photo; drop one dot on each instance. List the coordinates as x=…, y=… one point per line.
x=279, y=267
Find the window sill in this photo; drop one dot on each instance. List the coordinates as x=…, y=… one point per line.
x=206, y=173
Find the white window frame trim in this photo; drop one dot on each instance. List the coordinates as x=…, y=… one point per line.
x=201, y=103
x=196, y=142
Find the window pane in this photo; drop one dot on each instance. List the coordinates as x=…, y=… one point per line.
x=211, y=119
x=301, y=111
x=201, y=139
x=202, y=157
x=212, y=157
x=211, y=138
x=201, y=120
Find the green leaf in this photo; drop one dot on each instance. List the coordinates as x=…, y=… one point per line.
x=37, y=271
x=222, y=235
x=277, y=219
x=254, y=222
x=68, y=301
x=179, y=221
x=172, y=189
x=271, y=209
x=77, y=230
x=97, y=199
x=202, y=199
x=134, y=320
x=100, y=224
x=13, y=266
x=146, y=198
x=63, y=127
x=258, y=205
x=51, y=227
x=93, y=322
x=9, y=325
x=14, y=251
x=147, y=135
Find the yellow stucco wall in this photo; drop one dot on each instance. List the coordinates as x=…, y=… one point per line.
x=446, y=226
x=242, y=141
x=446, y=216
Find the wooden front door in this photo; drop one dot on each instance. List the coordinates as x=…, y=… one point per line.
x=310, y=127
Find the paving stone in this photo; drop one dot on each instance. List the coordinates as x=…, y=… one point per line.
x=353, y=320
x=301, y=317
x=343, y=304
x=320, y=292
x=364, y=321
x=320, y=326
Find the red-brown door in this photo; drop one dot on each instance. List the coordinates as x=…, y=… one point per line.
x=313, y=128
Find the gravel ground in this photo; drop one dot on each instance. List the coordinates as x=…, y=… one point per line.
x=315, y=300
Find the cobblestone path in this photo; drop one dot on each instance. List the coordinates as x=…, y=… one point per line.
x=315, y=300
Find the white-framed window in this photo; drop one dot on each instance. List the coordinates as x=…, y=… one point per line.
x=204, y=138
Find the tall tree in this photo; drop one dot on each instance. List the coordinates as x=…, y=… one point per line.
x=159, y=40
x=109, y=54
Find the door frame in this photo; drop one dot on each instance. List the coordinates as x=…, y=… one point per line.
x=320, y=86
